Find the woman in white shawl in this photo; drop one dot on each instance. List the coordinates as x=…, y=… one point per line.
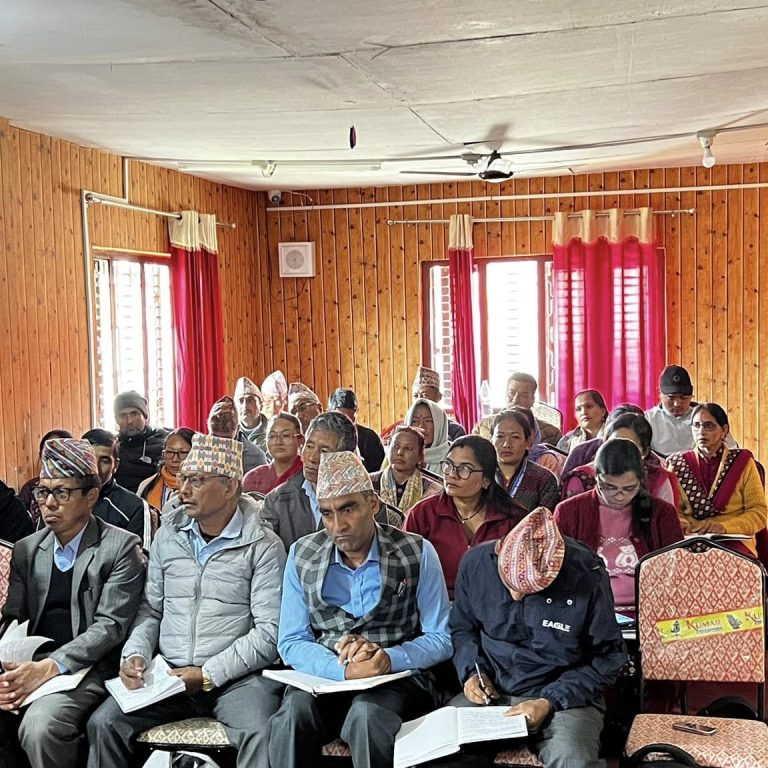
x=430, y=418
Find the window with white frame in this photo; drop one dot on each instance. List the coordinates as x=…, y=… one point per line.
x=134, y=335
x=513, y=323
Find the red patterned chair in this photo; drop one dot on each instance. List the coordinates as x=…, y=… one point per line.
x=6, y=551
x=700, y=616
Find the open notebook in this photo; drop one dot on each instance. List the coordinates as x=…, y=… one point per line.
x=159, y=684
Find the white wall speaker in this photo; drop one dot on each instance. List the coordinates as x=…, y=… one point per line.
x=296, y=259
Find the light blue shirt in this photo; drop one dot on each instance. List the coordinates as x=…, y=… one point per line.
x=313, y=502
x=203, y=549
x=64, y=556
x=357, y=591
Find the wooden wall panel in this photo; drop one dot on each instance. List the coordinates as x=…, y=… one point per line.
x=44, y=333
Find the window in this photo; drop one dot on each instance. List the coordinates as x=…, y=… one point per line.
x=134, y=335
x=514, y=305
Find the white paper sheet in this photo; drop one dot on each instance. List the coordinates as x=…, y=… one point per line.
x=159, y=684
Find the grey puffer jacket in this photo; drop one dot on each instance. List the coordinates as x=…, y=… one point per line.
x=222, y=616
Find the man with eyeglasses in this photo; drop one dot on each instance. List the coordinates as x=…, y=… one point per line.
x=671, y=418
x=222, y=422
x=117, y=505
x=359, y=600
x=303, y=403
x=211, y=609
x=78, y=582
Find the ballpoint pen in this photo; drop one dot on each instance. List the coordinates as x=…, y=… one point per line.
x=486, y=694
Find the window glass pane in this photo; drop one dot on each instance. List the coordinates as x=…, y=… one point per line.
x=512, y=290
x=160, y=357
x=105, y=372
x=129, y=340
x=440, y=325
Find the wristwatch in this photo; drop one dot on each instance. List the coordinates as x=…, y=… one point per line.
x=207, y=682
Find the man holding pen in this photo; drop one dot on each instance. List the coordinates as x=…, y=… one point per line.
x=533, y=627
x=359, y=599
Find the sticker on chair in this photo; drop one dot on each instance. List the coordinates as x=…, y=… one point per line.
x=708, y=624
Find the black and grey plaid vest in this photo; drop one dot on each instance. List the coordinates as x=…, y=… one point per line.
x=394, y=619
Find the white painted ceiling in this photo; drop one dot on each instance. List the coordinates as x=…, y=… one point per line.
x=283, y=80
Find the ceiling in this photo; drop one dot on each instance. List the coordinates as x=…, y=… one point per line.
x=275, y=80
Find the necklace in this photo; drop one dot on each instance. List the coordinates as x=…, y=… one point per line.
x=464, y=520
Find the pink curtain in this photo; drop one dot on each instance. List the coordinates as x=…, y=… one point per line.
x=200, y=374
x=609, y=309
x=464, y=393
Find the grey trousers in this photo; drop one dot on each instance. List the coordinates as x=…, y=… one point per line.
x=368, y=721
x=570, y=739
x=242, y=707
x=51, y=730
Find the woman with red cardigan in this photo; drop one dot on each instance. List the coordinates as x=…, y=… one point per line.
x=618, y=518
x=471, y=509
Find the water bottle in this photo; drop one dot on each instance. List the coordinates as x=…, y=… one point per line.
x=485, y=399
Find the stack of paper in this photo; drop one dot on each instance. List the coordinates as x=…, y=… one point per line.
x=16, y=647
x=318, y=685
x=159, y=684
x=442, y=732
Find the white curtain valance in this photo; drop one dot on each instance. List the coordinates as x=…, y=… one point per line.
x=194, y=231
x=460, y=231
x=614, y=225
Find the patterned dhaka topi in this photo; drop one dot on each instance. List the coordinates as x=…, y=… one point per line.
x=341, y=474
x=299, y=393
x=67, y=457
x=531, y=554
x=426, y=377
x=215, y=455
x=244, y=387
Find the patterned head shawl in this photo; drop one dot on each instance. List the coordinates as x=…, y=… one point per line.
x=340, y=474
x=531, y=554
x=67, y=457
x=216, y=455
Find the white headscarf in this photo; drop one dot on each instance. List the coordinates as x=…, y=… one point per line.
x=436, y=453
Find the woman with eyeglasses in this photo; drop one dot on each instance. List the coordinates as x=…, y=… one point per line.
x=618, y=518
x=284, y=441
x=590, y=411
x=659, y=481
x=158, y=488
x=471, y=509
x=722, y=491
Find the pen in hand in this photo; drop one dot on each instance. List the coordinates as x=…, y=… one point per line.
x=486, y=695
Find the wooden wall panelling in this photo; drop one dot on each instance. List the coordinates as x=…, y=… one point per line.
x=403, y=376
x=735, y=315
x=688, y=274
x=762, y=331
x=359, y=321
x=750, y=361
x=371, y=277
x=8, y=317
x=703, y=260
x=330, y=296
x=344, y=277
x=384, y=314
x=719, y=268
x=412, y=288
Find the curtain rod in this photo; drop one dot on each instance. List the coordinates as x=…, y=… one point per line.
x=504, y=219
x=500, y=198
x=92, y=198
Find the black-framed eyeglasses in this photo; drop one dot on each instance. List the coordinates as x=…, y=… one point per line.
x=197, y=481
x=41, y=493
x=615, y=490
x=462, y=471
x=179, y=455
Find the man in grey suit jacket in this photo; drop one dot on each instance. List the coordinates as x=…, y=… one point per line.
x=79, y=582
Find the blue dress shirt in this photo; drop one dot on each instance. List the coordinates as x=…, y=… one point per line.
x=204, y=549
x=357, y=591
x=64, y=556
x=309, y=489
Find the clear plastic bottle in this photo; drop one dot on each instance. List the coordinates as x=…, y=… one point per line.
x=485, y=399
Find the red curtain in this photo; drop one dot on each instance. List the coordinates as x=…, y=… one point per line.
x=200, y=375
x=464, y=395
x=609, y=320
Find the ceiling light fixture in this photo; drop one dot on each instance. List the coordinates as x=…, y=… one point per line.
x=705, y=139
